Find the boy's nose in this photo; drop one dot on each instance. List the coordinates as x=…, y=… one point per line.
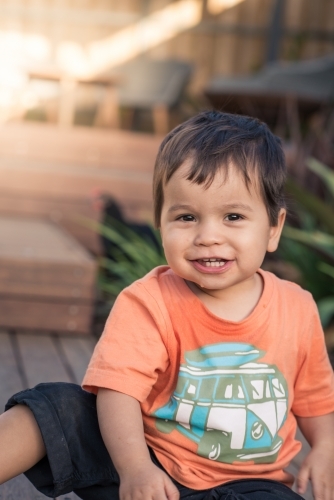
x=209, y=234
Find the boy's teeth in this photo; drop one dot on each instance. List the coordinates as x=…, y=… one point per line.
x=213, y=262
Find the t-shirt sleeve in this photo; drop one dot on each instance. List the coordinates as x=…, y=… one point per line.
x=133, y=347
x=314, y=386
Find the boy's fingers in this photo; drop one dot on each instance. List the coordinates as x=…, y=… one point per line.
x=323, y=487
x=302, y=478
x=328, y=493
x=318, y=492
x=172, y=492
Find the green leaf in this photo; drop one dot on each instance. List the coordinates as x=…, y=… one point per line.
x=314, y=205
x=318, y=240
x=134, y=255
x=307, y=261
x=326, y=268
x=324, y=172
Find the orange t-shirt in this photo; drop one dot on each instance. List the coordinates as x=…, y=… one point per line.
x=218, y=398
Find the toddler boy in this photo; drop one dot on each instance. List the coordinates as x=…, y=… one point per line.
x=206, y=365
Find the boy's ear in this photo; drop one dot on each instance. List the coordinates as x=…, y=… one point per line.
x=276, y=231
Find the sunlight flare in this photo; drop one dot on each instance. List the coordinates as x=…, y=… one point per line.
x=131, y=41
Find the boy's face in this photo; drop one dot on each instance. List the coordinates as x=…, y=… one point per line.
x=216, y=237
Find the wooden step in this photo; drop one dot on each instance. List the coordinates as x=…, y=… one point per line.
x=47, y=279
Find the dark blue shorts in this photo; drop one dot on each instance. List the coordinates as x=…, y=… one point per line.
x=78, y=461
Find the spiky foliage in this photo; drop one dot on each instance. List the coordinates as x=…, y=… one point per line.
x=311, y=246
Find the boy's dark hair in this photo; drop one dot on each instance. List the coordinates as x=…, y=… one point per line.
x=212, y=140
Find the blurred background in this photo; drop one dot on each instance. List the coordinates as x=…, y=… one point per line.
x=88, y=88
x=44, y=41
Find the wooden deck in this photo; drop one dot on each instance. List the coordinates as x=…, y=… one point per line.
x=53, y=173
x=27, y=359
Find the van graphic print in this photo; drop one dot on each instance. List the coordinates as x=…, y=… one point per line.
x=230, y=405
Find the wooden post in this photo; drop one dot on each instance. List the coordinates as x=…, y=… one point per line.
x=66, y=102
x=275, y=31
x=107, y=114
x=160, y=119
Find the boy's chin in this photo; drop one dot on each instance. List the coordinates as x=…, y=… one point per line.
x=216, y=284
x=202, y=286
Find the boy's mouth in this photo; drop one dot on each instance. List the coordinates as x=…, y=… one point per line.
x=214, y=262
x=212, y=265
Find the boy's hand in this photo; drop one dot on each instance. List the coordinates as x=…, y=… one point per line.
x=122, y=430
x=147, y=482
x=318, y=466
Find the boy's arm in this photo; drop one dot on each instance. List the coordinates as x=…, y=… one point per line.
x=318, y=466
x=121, y=426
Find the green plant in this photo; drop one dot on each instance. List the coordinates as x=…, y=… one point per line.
x=311, y=246
x=132, y=256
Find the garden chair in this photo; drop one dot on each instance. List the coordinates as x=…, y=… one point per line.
x=154, y=85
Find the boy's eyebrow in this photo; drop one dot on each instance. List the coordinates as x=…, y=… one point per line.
x=229, y=206
x=179, y=206
x=238, y=206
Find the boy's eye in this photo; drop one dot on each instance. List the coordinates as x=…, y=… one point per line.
x=186, y=218
x=233, y=217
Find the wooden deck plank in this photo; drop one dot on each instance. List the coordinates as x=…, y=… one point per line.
x=41, y=363
x=76, y=161
x=41, y=360
x=20, y=488
x=38, y=314
x=80, y=146
x=25, y=178
x=11, y=381
x=68, y=496
x=78, y=352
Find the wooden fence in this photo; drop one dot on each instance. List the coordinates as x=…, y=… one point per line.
x=226, y=40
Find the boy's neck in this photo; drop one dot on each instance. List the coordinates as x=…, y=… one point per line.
x=233, y=304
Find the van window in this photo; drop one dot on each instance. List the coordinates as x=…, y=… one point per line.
x=181, y=385
x=207, y=388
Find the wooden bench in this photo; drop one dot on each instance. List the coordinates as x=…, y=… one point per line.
x=107, y=112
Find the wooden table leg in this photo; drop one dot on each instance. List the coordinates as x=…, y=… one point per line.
x=107, y=114
x=67, y=96
x=160, y=119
